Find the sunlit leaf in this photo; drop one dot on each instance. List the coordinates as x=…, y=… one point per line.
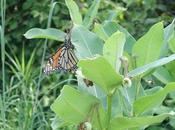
x=113, y=49
x=100, y=72
x=108, y=28
x=148, y=47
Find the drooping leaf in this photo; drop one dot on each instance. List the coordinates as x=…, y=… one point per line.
x=87, y=44
x=74, y=11
x=50, y=33
x=123, y=123
x=148, y=47
x=92, y=12
x=73, y=106
x=152, y=65
x=144, y=103
x=113, y=49
x=100, y=72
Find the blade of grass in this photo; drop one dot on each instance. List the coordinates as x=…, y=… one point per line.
x=36, y=104
x=23, y=60
x=3, y=7
x=30, y=62
x=44, y=47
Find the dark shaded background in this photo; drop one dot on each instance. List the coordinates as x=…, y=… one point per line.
x=137, y=16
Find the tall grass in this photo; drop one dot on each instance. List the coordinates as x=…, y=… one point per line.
x=2, y=29
x=44, y=47
x=26, y=97
x=43, y=57
x=20, y=106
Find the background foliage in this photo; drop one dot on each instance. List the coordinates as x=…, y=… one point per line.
x=26, y=104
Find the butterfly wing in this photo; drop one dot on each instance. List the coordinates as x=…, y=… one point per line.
x=52, y=63
x=64, y=60
x=68, y=61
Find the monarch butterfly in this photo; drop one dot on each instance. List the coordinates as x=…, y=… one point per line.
x=64, y=59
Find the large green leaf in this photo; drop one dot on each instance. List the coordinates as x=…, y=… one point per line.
x=148, y=102
x=153, y=65
x=74, y=11
x=108, y=28
x=50, y=33
x=113, y=49
x=87, y=44
x=92, y=12
x=100, y=72
x=73, y=106
x=148, y=47
x=124, y=123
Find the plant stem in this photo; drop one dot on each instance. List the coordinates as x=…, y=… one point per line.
x=44, y=50
x=98, y=118
x=3, y=7
x=109, y=103
x=43, y=56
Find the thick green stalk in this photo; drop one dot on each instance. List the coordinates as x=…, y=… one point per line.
x=99, y=121
x=109, y=110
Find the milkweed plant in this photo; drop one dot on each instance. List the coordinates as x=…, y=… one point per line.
x=122, y=70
